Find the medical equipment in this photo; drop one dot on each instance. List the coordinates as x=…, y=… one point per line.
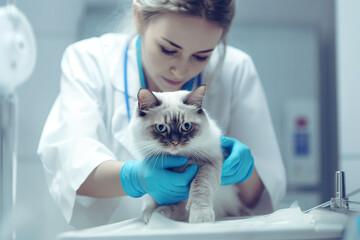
x=341, y=201
x=17, y=48
x=302, y=143
x=17, y=61
x=187, y=86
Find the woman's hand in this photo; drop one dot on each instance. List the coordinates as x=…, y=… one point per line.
x=238, y=164
x=154, y=177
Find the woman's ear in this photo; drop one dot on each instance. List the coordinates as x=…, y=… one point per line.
x=138, y=17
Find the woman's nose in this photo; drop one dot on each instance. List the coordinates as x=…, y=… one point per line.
x=180, y=70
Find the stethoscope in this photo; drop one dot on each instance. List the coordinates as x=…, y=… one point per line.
x=187, y=86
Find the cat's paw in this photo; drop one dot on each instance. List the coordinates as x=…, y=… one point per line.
x=147, y=213
x=165, y=210
x=201, y=215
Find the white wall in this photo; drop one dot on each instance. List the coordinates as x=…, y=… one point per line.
x=348, y=72
x=55, y=26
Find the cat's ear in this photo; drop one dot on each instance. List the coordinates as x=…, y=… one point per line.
x=196, y=96
x=146, y=99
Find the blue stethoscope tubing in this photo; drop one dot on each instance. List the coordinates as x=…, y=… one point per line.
x=187, y=86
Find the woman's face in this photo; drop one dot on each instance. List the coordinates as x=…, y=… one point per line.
x=176, y=48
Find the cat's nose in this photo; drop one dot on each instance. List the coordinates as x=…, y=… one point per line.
x=175, y=142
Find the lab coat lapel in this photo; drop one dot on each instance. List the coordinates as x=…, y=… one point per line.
x=120, y=122
x=132, y=76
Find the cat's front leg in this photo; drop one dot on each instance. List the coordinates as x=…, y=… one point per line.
x=149, y=206
x=202, y=190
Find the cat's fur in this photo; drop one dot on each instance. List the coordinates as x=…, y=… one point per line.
x=201, y=145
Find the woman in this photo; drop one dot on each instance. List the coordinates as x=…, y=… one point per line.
x=179, y=44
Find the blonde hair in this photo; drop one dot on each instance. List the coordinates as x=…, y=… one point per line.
x=219, y=12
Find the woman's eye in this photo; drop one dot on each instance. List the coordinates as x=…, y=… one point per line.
x=186, y=127
x=161, y=128
x=200, y=58
x=167, y=52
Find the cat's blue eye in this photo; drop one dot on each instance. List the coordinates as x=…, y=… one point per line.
x=161, y=128
x=186, y=127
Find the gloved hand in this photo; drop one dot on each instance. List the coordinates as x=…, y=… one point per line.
x=238, y=164
x=154, y=177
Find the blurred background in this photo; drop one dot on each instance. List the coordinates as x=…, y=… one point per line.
x=307, y=55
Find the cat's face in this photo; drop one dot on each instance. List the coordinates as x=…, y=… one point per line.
x=169, y=122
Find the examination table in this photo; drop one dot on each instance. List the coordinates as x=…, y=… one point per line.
x=288, y=223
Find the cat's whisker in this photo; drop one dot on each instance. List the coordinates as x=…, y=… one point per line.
x=145, y=147
x=153, y=156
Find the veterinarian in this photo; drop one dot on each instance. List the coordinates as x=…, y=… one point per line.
x=177, y=45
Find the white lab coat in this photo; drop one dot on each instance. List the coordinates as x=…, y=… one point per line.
x=88, y=124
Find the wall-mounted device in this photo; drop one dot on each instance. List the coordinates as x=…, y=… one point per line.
x=301, y=138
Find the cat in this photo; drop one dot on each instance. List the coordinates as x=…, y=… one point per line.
x=192, y=134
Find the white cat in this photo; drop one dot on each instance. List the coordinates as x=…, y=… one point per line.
x=190, y=133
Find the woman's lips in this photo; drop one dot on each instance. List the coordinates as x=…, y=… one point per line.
x=171, y=82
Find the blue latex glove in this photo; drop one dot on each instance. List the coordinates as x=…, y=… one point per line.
x=238, y=164
x=154, y=177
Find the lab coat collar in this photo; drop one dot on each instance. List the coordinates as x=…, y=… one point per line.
x=133, y=77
